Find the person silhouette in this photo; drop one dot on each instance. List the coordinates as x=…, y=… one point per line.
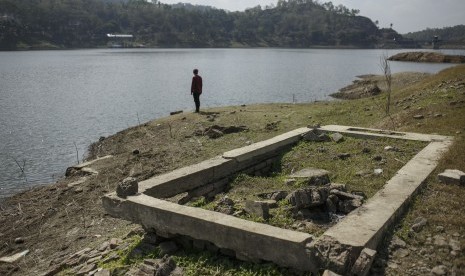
x=196, y=89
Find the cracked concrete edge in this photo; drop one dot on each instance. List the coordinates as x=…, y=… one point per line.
x=254, y=240
x=269, y=145
x=361, y=132
x=213, y=169
x=366, y=226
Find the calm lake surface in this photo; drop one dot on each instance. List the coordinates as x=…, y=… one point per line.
x=52, y=100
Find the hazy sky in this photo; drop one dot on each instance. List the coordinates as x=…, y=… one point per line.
x=405, y=15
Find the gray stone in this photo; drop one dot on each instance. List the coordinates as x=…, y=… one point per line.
x=312, y=176
x=331, y=206
x=14, y=258
x=344, y=195
x=257, y=208
x=86, y=269
x=316, y=135
x=343, y=156
x=347, y=206
x=418, y=224
x=127, y=187
x=279, y=195
x=168, y=247
x=275, y=195
x=440, y=241
x=338, y=186
x=214, y=133
x=330, y=273
x=103, y=272
x=452, y=177
x=178, y=271
x=439, y=270
x=309, y=197
x=19, y=240
x=454, y=245
x=104, y=246
x=401, y=253
x=397, y=243
x=363, y=263
x=337, y=137
x=334, y=255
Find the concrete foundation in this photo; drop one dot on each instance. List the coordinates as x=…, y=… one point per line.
x=337, y=249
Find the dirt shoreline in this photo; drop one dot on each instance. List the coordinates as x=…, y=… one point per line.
x=55, y=221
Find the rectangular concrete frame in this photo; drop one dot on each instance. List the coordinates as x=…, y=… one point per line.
x=363, y=228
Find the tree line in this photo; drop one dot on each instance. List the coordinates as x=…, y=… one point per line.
x=85, y=23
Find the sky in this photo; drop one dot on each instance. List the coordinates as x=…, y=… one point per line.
x=405, y=15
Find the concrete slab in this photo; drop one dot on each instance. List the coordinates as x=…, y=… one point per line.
x=253, y=240
x=187, y=178
x=365, y=226
x=360, y=132
x=267, y=146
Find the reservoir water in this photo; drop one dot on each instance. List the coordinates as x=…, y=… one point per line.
x=54, y=101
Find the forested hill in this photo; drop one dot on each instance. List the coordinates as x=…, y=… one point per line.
x=85, y=23
x=454, y=34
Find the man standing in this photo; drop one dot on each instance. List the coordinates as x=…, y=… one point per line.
x=196, y=89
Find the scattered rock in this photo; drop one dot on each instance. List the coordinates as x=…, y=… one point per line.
x=315, y=135
x=86, y=269
x=452, y=177
x=216, y=131
x=347, y=206
x=103, y=272
x=363, y=263
x=213, y=133
x=175, y=112
x=308, y=197
x=377, y=158
x=440, y=241
x=114, y=242
x=454, y=245
x=337, y=137
x=344, y=195
x=378, y=171
x=363, y=173
x=129, y=186
x=390, y=148
x=313, y=176
x=272, y=125
x=343, y=156
x=19, y=240
x=439, y=270
x=396, y=243
x=168, y=247
x=258, y=208
x=135, y=152
x=14, y=258
x=401, y=253
x=418, y=224
x=226, y=206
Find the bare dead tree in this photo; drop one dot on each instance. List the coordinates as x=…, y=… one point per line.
x=77, y=152
x=386, y=68
x=22, y=167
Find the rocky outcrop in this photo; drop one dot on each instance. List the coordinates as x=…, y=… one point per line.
x=362, y=88
x=427, y=57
